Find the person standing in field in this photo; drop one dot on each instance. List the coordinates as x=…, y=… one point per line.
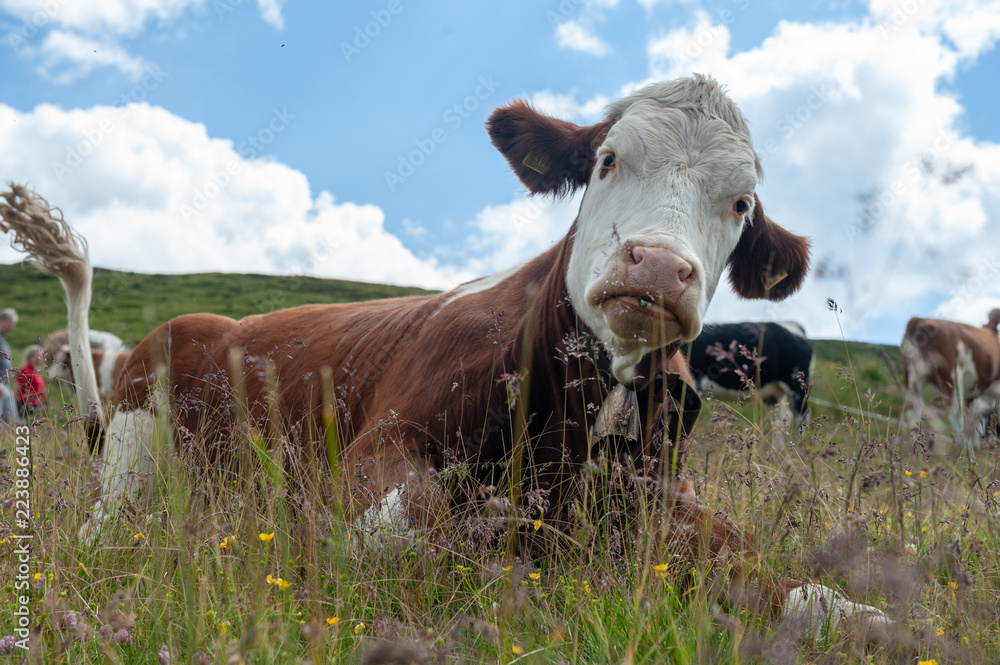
x=8, y=321
x=994, y=319
x=30, y=385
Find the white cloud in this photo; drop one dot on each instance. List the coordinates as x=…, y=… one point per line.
x=566, y=107
x=511, y=233
x=270, y=11
x=863, y=152
x=79, y=37
x=97, y=17
x=971, y=25
x=413, y=228
x=152, y=192
x=65, y=57
x=576, y=36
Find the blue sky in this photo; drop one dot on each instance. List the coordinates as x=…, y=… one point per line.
x=242, y=136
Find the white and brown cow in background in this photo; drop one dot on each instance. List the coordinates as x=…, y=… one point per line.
x=961, y=361
x=519, y=361
x=108, y=353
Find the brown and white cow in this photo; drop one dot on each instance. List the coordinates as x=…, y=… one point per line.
x=520, y=361
x=108, y=353
x=960, y=360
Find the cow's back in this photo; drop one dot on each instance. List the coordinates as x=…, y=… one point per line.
x=933, y=348
x=176, y=350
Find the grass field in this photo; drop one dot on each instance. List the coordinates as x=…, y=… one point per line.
x=905, y=521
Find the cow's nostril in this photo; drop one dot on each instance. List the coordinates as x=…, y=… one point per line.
x=632, y=255
x=685, y=271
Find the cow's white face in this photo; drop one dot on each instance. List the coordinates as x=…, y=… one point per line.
x=669, y=195
x=670, y=177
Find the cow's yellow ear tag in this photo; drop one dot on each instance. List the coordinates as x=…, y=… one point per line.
x=537, y=163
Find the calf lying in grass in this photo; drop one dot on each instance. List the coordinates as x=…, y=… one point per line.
x=508, y=375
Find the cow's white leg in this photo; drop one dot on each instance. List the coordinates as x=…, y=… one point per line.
x=814, y=606
x=914, y=408
x=917, y=372
x=127, y=463
x=964, y=378
x=782, y=416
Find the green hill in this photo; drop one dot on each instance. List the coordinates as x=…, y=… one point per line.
x=131, y=304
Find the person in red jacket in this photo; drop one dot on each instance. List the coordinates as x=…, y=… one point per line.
x=30, y=385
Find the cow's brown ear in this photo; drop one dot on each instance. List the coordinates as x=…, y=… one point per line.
x=769, y=262
x=549, y=156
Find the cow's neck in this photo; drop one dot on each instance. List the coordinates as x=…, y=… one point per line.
x=567, y=367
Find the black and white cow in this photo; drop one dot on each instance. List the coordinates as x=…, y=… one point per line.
x=776, y=358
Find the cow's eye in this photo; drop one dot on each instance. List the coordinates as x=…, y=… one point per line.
x=608, y=161
x=740, y=207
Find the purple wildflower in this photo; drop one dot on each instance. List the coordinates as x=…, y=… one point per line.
x=7, y=644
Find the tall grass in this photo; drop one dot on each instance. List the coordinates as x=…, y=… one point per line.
x=901, y=520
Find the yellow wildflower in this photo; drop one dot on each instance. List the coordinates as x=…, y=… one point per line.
x=909, y=473
x=227, y=542
x=507, y=569
x=661, y=569
x=266, y=537
x=534, y=576
x=516, y=650
x=223, y=627
x=939, y=632
x=538, y=524
x=37, y=576
x=359, y=628
x=278, y=582
x=928, y=662
x=330, y=621
x=139, y=536
x=923, y=474
x=953, y=585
